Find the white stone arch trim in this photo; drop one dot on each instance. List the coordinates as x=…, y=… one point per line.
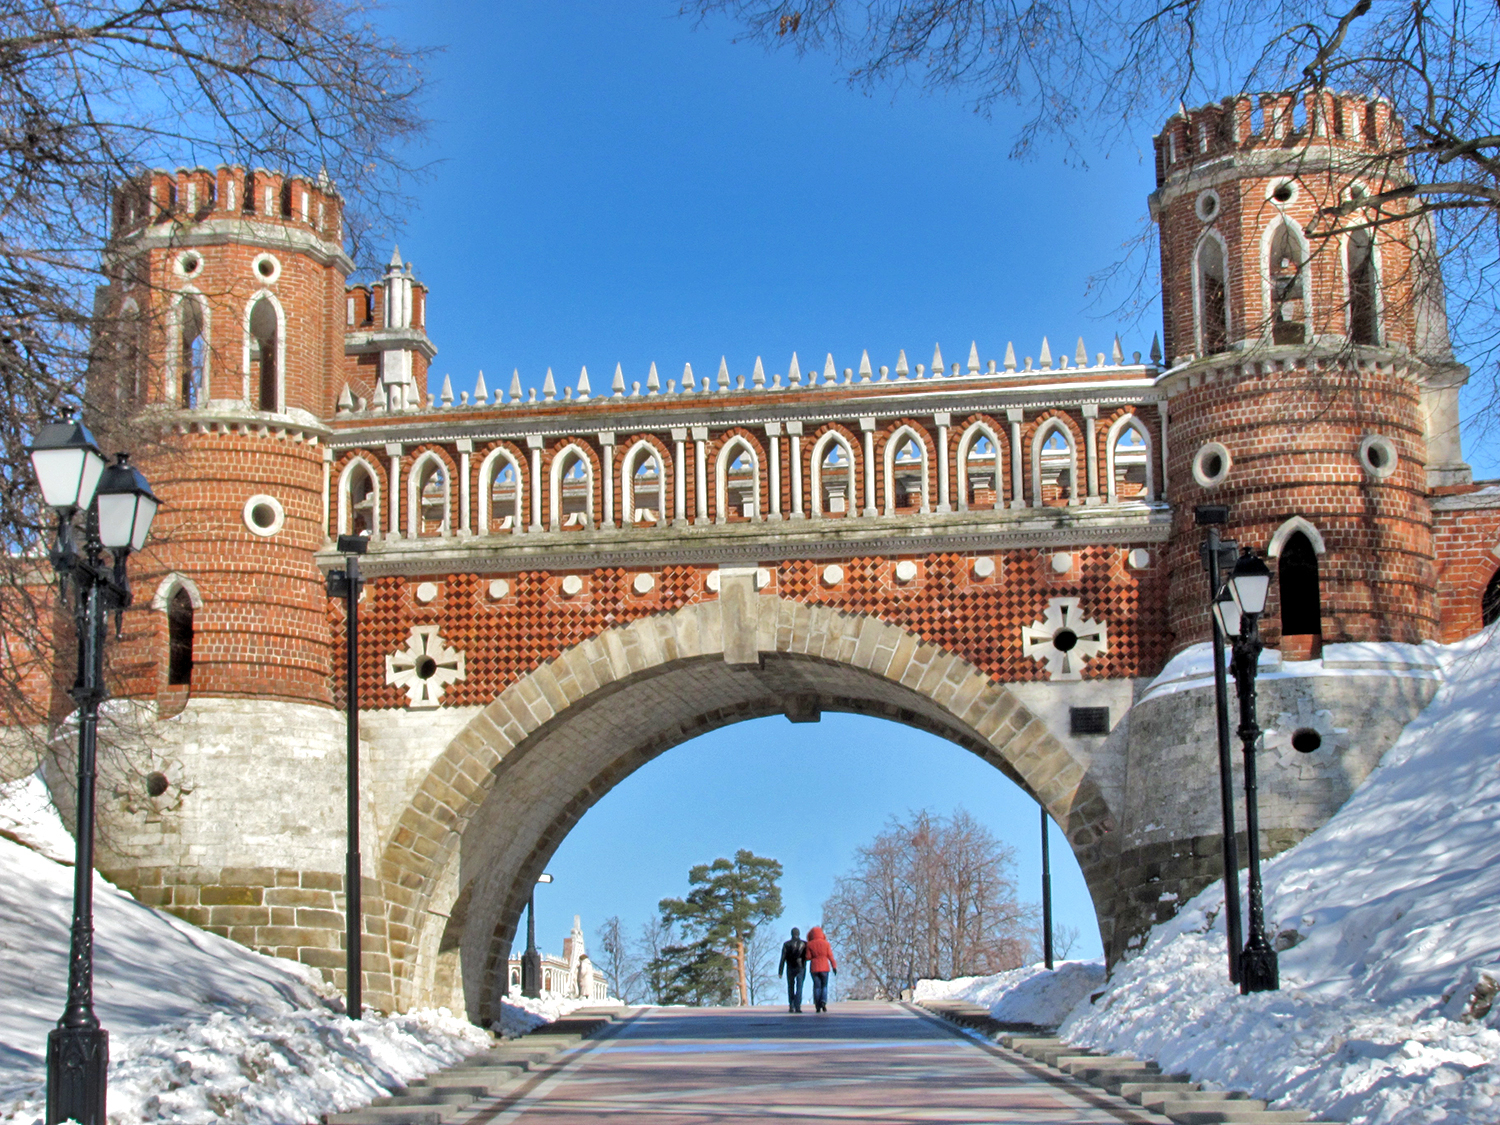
x=639, y=450
x=1290, y=528
x=1120, y=425
x=559, y=459
x=820, y=451
x=1375, y=259
x=971, y=434
x=186, y=295
x=892, y=445
x=487, y=470
x=1043, y=432
x=1210, y=235
x=169, y=586
x=414, y=493
x=428, y=834
x=255, y=299
x=1267, y=236
x=722, y=462
x=346, y=500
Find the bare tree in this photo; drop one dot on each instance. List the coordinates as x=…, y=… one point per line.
x=617, y=959
x=1064, y=938
x=932, y=897
x=762, y=952
x=90, y=92
x=1091, y=72
x=656, y=937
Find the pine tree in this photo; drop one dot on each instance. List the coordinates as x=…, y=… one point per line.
x=728, y=900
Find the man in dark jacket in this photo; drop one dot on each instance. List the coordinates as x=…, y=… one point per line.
x=794, y=961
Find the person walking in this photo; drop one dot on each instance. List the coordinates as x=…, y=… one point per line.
x=794, y=961
x=820, y=959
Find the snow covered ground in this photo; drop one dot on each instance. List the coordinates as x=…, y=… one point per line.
x=1030, y=994
x=520, y=1014
x=1390, y=921
x=201, y=1029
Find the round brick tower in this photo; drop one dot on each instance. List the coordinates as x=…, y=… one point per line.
x=1310, y=379
x=220, y=801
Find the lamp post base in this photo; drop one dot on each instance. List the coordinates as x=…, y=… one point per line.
x=1258, y=969
x=77, y=1074
x=531, y=973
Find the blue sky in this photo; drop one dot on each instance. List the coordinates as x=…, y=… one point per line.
x=611, y=184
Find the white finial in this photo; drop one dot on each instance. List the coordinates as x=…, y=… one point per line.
x=549, y=387
x=447, y=399
x=689, y=383
x=481, y=392
x=937, y=362
x=653, y=380
x=830, y=372
x=1081, y=356
x=758, y=376
x=583, y=385
x=902, y=368
x=346, y=400
x=618, y=386
x=395, y=256
x=463, y=398
x=1118, y=355
x=515, y=385
x=1045, y=358
x=974, y=357
x=1010, y=355
x=723, y=374
x=635, y=389
x=794, y=373
x=864, y=366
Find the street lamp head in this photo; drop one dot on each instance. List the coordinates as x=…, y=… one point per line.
x=1227, y=613
x=544, y=878
x=126, y=506
x=1250, y=583
x=67, y=463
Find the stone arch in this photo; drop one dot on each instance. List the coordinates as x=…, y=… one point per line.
x=638, y=449
x=494, y=459
x=191, y=353
x=817, y=451
x=976, y=428
x=346, y=498
x=416, y=477
x=893, y=443
x=501, y=796
x=1211, y=292
x=1046, y=426
x=169, y=585
x=1128, y=421
x=1292, y=527
x=1286, y=287
x=272, y=384
x=559, y=465
x=733, y=443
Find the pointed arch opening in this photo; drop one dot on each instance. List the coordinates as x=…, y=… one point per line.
x=1286, y=267
x=979, y=469
x=832, y=475
x=737, y=481
x=642, y=484
x=429, y=497
x=192, y=351
x=1212, y=287
x=1364, y=289
x=1297, y=583
x=359, y=499
x=906, y=472
x=1489, y=602
x=500, y=493
x=1054, y=465
x=180, y=628
x=263, y=342
x=572, y=489
x=1128, y=468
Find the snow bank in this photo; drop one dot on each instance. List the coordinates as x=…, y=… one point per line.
x=1031, y=994
x=520, y=1014
x=201, y=1029
x=1389, y=920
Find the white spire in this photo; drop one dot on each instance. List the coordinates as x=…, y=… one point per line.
x=689, y=383
x=481, y=392
x=1010, y=355
x=447, y=399
x=549, y=387
x=864, y=366
x=830, y=372
x=653, y=380
x=583, y=385
x=794, y=373
x=515, y=385
x=1118, y=355
x=346, y=399
x=1046, y=355
x=937, y=362
x=1081, y=356
x=723, y=374
x=395, y=262
x=902, y=368
x=618, y=386
x=758, y=376
x=974, y=357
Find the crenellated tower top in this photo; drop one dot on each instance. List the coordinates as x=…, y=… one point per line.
x=202, y=195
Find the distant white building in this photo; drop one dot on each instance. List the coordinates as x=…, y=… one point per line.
x=569, y=977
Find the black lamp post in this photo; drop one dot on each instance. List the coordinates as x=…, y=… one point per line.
x=1217, y=556
x=347, y=584
x=531, y=960
x=1239, y=618
x=118, y=508
x=1046, y=893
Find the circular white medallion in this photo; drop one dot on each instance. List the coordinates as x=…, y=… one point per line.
x=906, y=570
x=984, y=567
x=643, y=583
x=427, y=592
x=833, y=574
x=1138, y=559
x=712, y=581
x=572, y=584
x=499, y=587
x=264, y=515
x=1062, y=562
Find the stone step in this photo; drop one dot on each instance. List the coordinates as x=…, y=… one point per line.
x=456, y=1086
x=1196, y=1098
x=1021, y=1042
x=455, y=1098
x=1102, y=1073
x=392, y=1115
x=1072, y=1064
x=1232, y=1115
x=1131, y=1089
x=491, y=1078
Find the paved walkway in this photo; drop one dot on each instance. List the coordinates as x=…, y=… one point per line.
x=857, y=1062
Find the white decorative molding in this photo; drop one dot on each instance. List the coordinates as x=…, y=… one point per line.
x=424, y=667
x=1063, y=639
x=1290, y=528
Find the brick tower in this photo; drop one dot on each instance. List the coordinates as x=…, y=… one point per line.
x=1311, y=382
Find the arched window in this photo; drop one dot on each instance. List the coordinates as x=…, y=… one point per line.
x=359, y=501
x=1297, y=582
x=1364, y=319
x=641, y=484
x=1129, y=461
x=1489, y=605
x=737, y=482
x=128, y=356
x=1054, y=465
x=1288, y=273
x=265, y=379
x=428, y=497
x=1213, y=297
x=192, y=352
x=905, y=472
x=180, y=637
x=978, y=469
x=505, y=496
x=572, y=490
x=833, y=463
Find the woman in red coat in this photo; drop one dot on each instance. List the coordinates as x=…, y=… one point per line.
x=820, y=961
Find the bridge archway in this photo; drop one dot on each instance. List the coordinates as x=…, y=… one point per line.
x=504, y=793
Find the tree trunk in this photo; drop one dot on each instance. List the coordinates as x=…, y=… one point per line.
x=739, y=957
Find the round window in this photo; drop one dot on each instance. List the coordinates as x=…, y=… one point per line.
x=1207, y=206
x=1306, y=740
x=1284, y=191
x=1377, y=455
x=189, y=263
x=266, y=268
x=1211, y=464
x=156, y=783
x=264, y=515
